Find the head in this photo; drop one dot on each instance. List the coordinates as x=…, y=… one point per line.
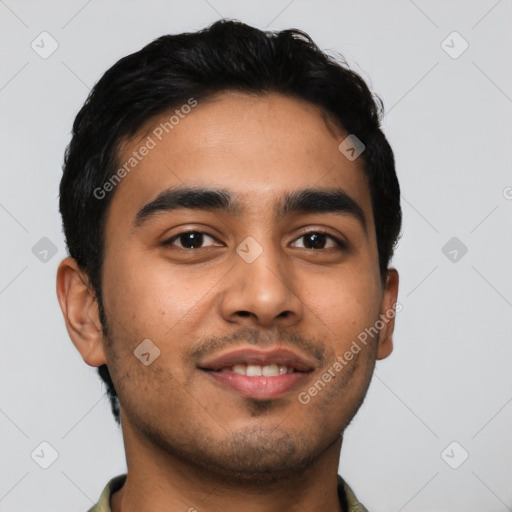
x=188, y=156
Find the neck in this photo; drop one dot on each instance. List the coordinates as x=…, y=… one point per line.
x=169, y=482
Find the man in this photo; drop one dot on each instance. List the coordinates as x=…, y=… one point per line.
x=231, y=207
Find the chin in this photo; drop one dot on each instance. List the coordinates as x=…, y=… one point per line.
x=259, y=456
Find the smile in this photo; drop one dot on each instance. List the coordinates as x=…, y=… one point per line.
x=255, y=370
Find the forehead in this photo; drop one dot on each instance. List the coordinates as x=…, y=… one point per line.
x=256, y=146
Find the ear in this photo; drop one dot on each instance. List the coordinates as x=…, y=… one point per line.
x=387, y=314
x=80, y=310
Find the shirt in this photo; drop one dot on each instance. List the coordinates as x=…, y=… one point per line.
x=347, y=497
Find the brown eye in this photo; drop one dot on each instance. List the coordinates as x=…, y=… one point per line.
x=189, y=240
x=318, y=240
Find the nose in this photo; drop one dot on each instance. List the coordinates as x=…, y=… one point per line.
x=263, y=292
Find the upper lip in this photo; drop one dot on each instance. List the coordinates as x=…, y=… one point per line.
x=259, y=357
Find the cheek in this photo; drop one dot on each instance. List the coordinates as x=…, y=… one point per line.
x=344, y=305
x=149, y=297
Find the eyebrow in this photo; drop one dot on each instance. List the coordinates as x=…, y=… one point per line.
x=316, y=200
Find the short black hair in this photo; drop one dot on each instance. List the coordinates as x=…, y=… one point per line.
x=228, y=55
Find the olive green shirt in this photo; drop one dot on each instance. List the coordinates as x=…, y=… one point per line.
x=348, y=499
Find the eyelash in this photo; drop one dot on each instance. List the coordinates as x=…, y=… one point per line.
x=340, y=244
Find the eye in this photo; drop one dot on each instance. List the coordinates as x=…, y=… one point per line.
x=318, y=240
x=315, y=240
x=190, y=239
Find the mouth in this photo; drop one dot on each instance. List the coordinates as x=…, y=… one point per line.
x=256, y=370
x=258, y=374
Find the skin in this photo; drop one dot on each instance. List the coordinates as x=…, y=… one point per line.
x=190, y=442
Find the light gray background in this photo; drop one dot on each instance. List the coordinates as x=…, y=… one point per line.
x=449, y=121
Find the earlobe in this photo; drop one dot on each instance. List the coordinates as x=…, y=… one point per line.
x=80, y=311
x=387, y=314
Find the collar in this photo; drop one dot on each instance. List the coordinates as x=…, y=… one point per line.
x=347, y=497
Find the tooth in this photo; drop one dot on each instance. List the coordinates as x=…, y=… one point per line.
x=282, y=369
x=253, y=370
x=226, y=369
x=290, y=370
x=240, y=369
x=270, y=370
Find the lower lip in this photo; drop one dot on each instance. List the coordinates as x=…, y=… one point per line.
x=262, y=388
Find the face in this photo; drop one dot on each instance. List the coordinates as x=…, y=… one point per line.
x=268, y=281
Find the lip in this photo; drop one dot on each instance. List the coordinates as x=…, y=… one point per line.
x=259, y=357
x=263, y=388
